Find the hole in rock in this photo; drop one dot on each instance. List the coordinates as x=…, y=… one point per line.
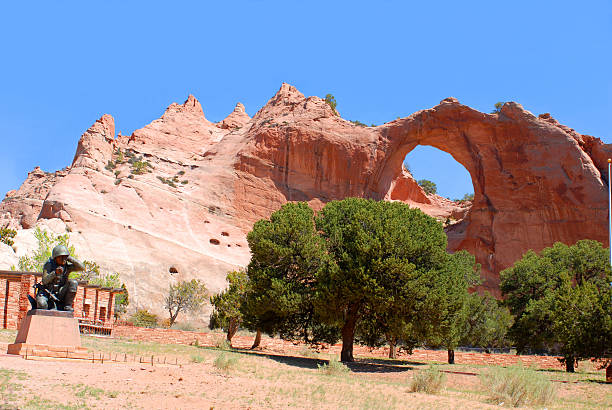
x=437, y=172
x=452, y=180
x=224, y=234
x=214, y=241
x=173, y=269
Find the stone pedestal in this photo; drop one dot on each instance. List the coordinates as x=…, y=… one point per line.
x=48, y=333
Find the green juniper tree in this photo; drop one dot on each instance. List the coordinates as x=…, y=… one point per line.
x=226, y=313
x=287, y=257
x=561, y=301
x=486, y=322
x=428, y=186
x=391, y=270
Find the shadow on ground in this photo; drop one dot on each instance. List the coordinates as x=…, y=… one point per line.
x=358, y=366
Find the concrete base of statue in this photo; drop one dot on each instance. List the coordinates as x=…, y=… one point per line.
x=48, y=333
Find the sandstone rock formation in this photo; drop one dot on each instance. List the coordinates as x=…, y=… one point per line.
x=176, y=198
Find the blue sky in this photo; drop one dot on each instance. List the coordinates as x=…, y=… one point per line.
x=65, y=63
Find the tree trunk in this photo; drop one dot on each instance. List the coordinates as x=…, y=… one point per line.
x=392, y=348
x=348, y=333
x=569, y=364
x=609, y=373
x=232, y=328
x=451, y=356
x=172, y=317
x=257, y=341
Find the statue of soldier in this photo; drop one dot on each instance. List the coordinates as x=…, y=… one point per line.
x=55, y=283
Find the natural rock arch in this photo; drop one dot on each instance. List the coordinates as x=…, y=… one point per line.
x=533, y=183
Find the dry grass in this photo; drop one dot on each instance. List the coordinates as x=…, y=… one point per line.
x=333, y=368
x=226, y=362
x=430, y=381
x=517, y=386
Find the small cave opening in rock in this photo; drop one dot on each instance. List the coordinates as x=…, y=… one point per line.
x=447, y=188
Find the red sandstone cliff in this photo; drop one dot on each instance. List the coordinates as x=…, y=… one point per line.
x=205, y=184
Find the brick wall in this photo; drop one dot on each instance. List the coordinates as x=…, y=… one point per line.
x=14, y=303
x=173, y=336
x=10, y=291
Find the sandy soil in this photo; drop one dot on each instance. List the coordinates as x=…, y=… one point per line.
x=207, y=378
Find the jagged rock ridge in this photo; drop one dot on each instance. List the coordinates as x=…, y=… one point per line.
x=198, y=186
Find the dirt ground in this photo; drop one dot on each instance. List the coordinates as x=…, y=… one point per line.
x=204, y=378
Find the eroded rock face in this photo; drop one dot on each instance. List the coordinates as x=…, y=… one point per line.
x=184, y=211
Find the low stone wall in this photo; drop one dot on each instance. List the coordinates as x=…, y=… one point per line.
x=172, y=336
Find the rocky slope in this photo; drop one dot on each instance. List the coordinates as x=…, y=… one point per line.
x=175, y=199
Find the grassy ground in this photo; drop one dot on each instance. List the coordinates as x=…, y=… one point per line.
x=208, y=377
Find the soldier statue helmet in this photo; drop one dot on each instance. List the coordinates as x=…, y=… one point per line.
x=57, y=291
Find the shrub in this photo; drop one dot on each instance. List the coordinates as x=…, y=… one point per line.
x=144, y=318
x=428, y=381
x=7, y=235
x=110, y=165
x=196, y=358
x=140, y=167
x=498, y=106
x=331, y=101
x=225, y=362
x=222, y=343
x=184, y=326
x=428, y=186
x=333, y=368
x=305, y=351
x=517, y=386
x=167, y=181
x=359, y=123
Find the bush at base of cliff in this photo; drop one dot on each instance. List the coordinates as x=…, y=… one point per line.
x=144, y=318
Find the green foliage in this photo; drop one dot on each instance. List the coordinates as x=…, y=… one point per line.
x=518, y=387
x=446, y=301
x=110, y=165
x=46, y=242
x=287, y=256
x=428, y=186
x=375, y=270
x=141, y=167
x=391, y=269
x=498, y=106
x=561, y=300
x=7, y=235
x=122, y=300
x=167, y=181
x=187, y=296
x=331, y=101
x=430, y=381
x=226, y=304
x=143, y=318
x=486, y=322
x=333, y=368
x=359, y=123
